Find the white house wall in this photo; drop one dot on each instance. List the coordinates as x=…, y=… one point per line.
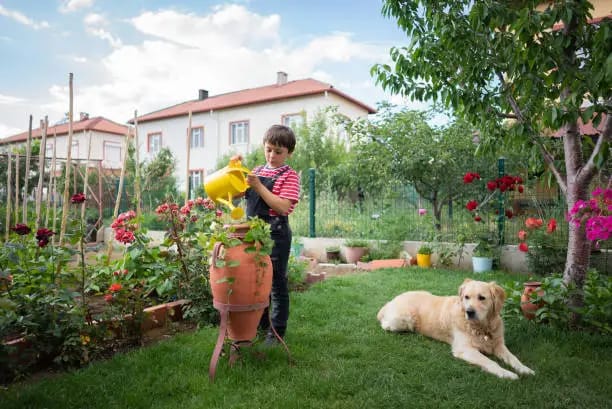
x=81, y=139
x=217, y=129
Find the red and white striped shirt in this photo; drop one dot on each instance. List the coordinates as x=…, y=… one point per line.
x=286, y=186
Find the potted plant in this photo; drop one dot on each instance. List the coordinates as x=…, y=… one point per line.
x=482, y=255
x=355, y=249
x=332, y=253
x=424, y=255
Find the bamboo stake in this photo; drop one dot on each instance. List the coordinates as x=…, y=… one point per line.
x=187, y=173
x=100, y=210
x=109, y=249
x=9, y=193
x=24, y=217
x=41, y=169
x=17, y=155
x=52, y=185
x=137, y=170
x=66, y=203
x=85, y=178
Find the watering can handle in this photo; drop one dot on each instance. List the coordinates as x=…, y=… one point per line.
x=237, y=164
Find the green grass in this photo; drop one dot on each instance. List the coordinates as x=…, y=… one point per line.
x=342, y=360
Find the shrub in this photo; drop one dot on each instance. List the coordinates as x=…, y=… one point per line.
x=357, y=243
x=424, y=249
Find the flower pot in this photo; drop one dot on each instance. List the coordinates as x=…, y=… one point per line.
x=242, y=291
x=424, y=260
x=482, y=264
x=332, y=255
x=529, y=308
x=354, y=254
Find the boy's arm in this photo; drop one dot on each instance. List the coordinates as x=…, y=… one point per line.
x=279, y=204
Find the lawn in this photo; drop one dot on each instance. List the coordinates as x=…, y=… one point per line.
x=342, y=360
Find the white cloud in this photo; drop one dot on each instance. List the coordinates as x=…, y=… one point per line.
x=22, y=18
x=95, y=24
x=6, y=130
x=68, y=6
x=228, y=49
x=78, y=59
x=7, y=99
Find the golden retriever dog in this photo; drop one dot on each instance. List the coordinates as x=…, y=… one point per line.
x=469, y=322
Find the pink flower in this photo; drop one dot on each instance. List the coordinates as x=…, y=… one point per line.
x=522, y=235
x=422, y=212
x=533, y=223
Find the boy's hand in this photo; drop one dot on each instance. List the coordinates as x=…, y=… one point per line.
x=236, y=157
x=254, y=182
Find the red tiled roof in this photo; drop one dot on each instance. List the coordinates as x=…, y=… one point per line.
x=586, y=129
x=99, y=124
x=275, y=92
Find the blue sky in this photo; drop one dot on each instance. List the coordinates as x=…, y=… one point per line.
x=148, y=54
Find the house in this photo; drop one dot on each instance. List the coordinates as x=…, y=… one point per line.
x=235, y=122
x=107, y=140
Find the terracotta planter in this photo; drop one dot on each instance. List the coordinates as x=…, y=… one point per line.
x=386, y=263
x=424, y=260
x=529, y=308
x=242, y=291
x=354, y=254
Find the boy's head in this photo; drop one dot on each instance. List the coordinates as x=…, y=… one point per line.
x=280, y=135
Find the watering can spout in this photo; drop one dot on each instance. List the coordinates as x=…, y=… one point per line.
x=226, y=183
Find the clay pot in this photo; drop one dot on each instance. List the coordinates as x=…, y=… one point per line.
x=354, y=254
x=242, y=291
x=529, y=309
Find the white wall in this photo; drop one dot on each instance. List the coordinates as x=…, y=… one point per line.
x=217, y=129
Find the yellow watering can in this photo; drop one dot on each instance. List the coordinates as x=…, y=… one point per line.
x=226, y=183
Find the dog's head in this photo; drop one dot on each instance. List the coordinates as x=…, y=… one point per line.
x=480, y=300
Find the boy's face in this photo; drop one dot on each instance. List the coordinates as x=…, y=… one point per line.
x=275, y=155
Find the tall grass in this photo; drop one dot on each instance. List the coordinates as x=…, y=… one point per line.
x=342, y=360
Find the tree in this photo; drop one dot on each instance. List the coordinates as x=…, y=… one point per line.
x=517, y=71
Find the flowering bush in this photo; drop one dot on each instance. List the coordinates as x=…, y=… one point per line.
x=596, y=213
x=502, y=184
x=545, y=249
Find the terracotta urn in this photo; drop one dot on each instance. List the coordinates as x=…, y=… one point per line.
x=529, y=308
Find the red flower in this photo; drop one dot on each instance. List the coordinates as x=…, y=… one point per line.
x=533, y=223
x=115, y=287
x=491, y=185
x=218, y=213
x=470, y=176
x=77, y=198
x=521, y=189
x=552, y=226
x=523, y=247
x=108, y=298
x=471, y=205
x=43, y=235
x=21, y=229
x=522, y=235
x=509, y=213
x=477, y=218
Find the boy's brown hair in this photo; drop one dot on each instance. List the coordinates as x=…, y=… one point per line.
x=280, y=135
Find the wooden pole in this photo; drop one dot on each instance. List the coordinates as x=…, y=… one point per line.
x=9, y=193
x=24, y=217
x=52, y=186
x=126, y=143
x=137, y=170
x=41, y=169
x=17, y=189
x=66, y=204
x=100, y=207
x=188, y=147
x=86, y=177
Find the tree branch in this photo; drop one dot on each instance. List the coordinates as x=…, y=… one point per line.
x=535, y=139
x=589, y=169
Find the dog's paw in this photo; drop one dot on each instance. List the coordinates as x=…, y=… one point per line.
x=523, y=370
x=505, y=374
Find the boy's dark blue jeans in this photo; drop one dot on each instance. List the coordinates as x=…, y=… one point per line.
x=279, y=297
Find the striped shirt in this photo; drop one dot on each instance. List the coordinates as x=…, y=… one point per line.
x=286, y=186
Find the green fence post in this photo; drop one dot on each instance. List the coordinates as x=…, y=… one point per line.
x=311, y=218
x=501, y=209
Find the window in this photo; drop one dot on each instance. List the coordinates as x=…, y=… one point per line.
x=239, y=133
x=74, y=152
x=154, y=141
x=49, y=150
x=196, y=180
x=293, y=121
x=112, y=152
x=197, y=137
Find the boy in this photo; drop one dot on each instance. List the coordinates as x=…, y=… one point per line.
x=273, y=192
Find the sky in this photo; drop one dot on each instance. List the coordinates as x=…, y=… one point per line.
x=144, y=55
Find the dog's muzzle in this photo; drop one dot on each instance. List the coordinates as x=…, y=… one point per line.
x=470, y=314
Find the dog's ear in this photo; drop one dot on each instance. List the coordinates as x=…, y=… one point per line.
x=462, y=286
x=498, y=294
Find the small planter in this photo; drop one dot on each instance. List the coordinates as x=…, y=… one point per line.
x=332, y=256
x=354, y=254
x=529, y=308
x=482, y=264
x=424, y=260
x=386, y=263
